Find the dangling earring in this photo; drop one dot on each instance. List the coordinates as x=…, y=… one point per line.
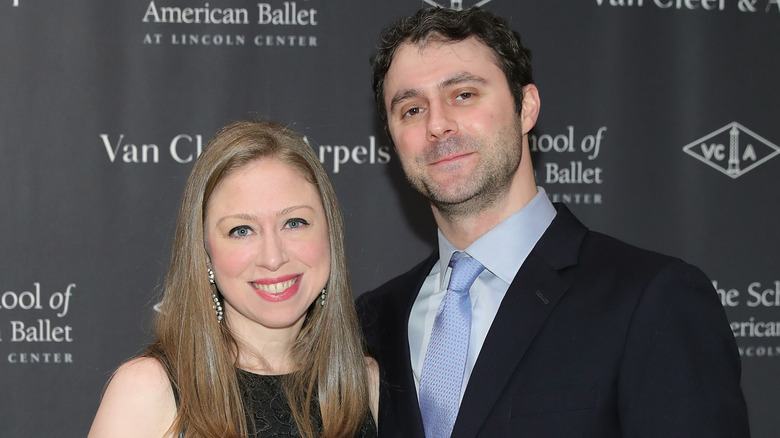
x=322, y=297
x=217, y=305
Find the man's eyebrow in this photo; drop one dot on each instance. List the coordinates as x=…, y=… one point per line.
x=455, y=79
x=402, y=96
x=461, y=78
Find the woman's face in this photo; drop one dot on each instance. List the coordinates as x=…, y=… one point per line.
x=267, y=235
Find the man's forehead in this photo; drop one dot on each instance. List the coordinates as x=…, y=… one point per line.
x=435, y=52
x=438, y=42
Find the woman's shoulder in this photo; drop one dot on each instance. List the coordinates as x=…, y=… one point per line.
x=143, y=376
x=372, y=370
x=138, y=401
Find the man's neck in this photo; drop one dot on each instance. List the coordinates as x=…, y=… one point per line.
x=462, y=231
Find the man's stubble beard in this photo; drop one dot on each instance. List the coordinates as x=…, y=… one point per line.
x=487, y=184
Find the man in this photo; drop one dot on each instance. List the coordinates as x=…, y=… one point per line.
x=524, y=323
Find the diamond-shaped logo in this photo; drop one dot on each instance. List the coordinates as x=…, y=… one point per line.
x=456, y=4
x=733, y=150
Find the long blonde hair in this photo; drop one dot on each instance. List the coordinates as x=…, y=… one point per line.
x=200, y=353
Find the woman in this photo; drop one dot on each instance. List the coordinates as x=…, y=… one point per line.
x=257, y=335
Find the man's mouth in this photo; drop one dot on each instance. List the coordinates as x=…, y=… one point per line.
x=449, y=158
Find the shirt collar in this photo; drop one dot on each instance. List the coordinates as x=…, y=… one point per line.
x=504, y=248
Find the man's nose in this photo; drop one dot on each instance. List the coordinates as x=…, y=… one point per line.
x=441, y=122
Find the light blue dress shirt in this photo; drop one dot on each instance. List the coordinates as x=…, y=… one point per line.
x=502, y=251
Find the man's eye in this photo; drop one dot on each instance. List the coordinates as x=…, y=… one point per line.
x=465, y=95
x=412, y=111
x=240, y=231
x=295, y=223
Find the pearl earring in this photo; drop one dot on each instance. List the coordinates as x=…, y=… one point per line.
x=217, y=305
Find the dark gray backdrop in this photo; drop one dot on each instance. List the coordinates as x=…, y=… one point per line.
x=659, y=125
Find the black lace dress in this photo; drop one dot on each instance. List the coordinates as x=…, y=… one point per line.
x=267, y=408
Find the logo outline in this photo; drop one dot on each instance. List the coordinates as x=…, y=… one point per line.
x=733, y=170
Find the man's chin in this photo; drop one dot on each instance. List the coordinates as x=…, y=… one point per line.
x=450, y=199
x=453, y=189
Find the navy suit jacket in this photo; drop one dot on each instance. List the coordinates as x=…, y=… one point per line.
x=594, y=338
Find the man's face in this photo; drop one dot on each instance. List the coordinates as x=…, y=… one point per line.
x=452, y=118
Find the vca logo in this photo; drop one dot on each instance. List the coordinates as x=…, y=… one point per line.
x=732, y=149
x=456, y=4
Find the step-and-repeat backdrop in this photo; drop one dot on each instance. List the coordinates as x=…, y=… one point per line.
x=660, y=124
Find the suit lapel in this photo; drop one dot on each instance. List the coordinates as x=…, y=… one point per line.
x=531, y=297
x=395, y=348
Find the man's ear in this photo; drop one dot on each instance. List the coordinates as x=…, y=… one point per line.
x=530, y=107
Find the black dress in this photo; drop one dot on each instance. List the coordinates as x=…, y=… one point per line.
x=267, y=409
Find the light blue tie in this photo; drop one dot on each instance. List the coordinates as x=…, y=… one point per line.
x=445, y=360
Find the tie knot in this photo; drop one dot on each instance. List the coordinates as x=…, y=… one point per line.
x=465, y=269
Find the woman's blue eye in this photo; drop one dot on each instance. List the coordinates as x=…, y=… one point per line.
x=241, y=231
x=296, y=223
